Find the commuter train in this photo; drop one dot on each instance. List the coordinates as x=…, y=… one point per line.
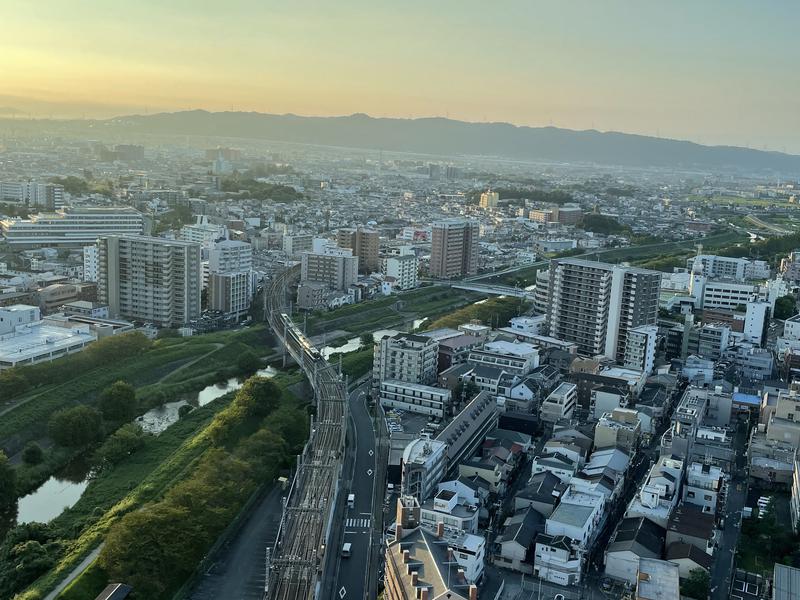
x=296, y=337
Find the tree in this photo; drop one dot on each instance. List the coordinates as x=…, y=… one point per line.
x=258, y=397
x=122, y=443
x=248, y=362
x=696, y=585
x=12, y=383
x=153, y=548
x=367, y=341
x=32, y=454
x=75, y=427
x=785, y=307
x=8, y=480
x=118, y=402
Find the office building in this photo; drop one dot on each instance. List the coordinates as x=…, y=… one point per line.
x=296, y=244
x=517, y=358
x=560, y=404
x=149, y=279
x=25, y=339
x=454, y=248
x=619, y=428
x=365, y=244
x=71, y=227
x=596, y=305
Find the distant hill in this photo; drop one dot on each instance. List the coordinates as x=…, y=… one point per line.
x=449, y=137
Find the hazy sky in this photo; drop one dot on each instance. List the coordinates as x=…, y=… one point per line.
x=714, y=71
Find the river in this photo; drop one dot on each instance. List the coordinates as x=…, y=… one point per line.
x=64, y=489
x=354, y=343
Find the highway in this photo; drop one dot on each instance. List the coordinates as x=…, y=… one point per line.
x=297, y=563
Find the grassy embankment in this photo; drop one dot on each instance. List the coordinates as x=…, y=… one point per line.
x=389, y=311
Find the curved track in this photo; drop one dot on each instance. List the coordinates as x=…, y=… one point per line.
x=296, y=562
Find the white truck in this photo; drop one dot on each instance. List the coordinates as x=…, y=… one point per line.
x=351, y=500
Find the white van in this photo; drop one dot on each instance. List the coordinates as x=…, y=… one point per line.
x=351, y=500
x=347, y=550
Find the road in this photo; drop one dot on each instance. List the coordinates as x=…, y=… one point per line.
x=90, y=558
x=358, y=524
x=722, y=569
x=239, y=569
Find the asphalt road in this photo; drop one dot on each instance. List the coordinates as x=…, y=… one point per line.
x=239, y=569
x=357, y=526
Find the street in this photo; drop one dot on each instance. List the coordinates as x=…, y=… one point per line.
x=358, y=526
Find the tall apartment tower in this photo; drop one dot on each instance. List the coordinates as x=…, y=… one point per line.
x=149, y=279
x=365, y=244
x=595, y=305
x=230, y=277
x=335, y=267
x=454, y=248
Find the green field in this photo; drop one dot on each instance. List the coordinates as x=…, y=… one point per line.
x=388, y=311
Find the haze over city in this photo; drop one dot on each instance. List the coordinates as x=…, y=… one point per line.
x=716, y=72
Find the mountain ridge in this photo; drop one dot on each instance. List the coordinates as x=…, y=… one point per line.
x=450, y=137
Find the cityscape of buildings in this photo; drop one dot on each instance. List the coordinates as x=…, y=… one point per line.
x=611, y=433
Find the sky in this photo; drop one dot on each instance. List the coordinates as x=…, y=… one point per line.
x=711, y=71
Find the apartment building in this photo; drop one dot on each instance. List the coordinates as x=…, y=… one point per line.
x=415, y=398
x=230, y=277
x=517, y=358
x=454, y=248
x=49, y=196
x=560, y=404
x=403, y=269
x=203, y=232
x=596, y=305
x=489, y=199
x=365, y=244
x=423, y=466
x=71, y=227
x=619, y=428
x=147, y=279
x=729, y=267
x=335, y=267
x=406, y=357
x=640, y=351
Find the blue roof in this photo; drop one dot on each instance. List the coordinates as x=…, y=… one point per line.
x=743, y=398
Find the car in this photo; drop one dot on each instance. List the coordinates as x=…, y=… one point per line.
x=558, y=597
x=605, y=585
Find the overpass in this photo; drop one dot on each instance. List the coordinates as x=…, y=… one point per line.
x=494, y=290
x=296, y=564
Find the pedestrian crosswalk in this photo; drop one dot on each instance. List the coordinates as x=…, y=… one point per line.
x=364, y=523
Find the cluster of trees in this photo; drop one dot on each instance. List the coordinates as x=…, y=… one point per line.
x=696, y=585
x=598, y=223
x=155, y=549
x=785, y=307
x=495, y=311
x=72, y=185
x=550, y=197
x=26, y=552
x=260, y=190
x=175, y=219
x=82, y=425
x=19, y=380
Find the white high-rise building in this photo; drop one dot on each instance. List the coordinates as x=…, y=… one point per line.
x=640, y=351
x=148, y=279
x=90, y=263
x=595, y=305
x=230, y=277
x=203, y=232
x=403, y=268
